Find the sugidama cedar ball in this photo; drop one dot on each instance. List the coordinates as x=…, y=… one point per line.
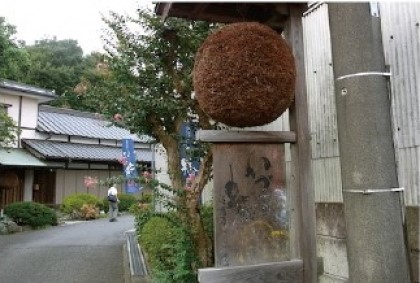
x=244, y=75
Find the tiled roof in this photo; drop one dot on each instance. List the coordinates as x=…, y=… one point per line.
x=62, y=150
x=19, y=157
x=77, y=123
x=42, y=94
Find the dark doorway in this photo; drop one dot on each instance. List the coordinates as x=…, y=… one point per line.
x=44, y=186
x=11, y=186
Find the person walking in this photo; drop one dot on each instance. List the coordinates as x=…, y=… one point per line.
x=113, y=203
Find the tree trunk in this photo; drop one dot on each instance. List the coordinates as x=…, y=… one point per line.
x=174, y=164
x=191, y=217
x=203, y=243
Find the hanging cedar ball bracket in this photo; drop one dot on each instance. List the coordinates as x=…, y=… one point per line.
x=244, y=75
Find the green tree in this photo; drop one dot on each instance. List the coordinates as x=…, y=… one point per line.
x=55, y=64
x=14, y=60
x=8, y=130
x=148, y=83
x=93, y=82
x=49, y=63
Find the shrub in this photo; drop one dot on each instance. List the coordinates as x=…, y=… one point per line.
x=140, y=208
x=169, y=251
x=126, y=201
x=31, y=213
x=143, y=213
x=206, y=212
x=89, y=211
x=143, y=205
x=77, y=205
x=146, y=198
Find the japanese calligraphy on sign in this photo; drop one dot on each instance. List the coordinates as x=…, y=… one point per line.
x=129, y=160
x=250, y=204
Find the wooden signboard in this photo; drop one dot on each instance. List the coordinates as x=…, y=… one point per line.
x=251, y=216
x=273, y=272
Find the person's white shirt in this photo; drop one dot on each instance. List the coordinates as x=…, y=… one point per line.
x=112, y=191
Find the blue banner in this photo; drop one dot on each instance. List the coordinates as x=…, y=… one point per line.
x=189, y=164
x=129, y=166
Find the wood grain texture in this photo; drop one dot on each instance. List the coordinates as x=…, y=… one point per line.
x=277, y=272
x=250, y=212
x=301, y=153
x=216, y=136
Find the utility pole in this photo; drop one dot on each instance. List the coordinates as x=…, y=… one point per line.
x=372, y=204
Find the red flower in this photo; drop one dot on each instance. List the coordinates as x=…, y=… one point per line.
x=122, y=160
x=90, y=182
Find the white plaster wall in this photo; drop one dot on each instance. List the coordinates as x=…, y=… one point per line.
x=161, y=165
x=29, y=113
x=207, y=195
x=13, y=111
x=29, y=109
x=29, y=134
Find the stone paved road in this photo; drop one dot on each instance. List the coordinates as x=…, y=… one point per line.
x=83, y=252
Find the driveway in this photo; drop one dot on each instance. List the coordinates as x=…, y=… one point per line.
x=81, y=252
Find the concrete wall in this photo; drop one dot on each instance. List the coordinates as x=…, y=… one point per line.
x=331, y=241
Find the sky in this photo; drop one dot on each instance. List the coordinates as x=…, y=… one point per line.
x=65, y=19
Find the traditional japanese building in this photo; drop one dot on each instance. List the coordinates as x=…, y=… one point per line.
x=58, y=148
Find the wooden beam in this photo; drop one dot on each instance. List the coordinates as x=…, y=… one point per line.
x=217, y=136
x=286, y=271
x=270, y=14
x=301, y=154
x=198, y=9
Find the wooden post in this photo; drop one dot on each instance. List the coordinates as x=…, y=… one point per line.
x=250, y=209
x=244, y=231
x=305, y=248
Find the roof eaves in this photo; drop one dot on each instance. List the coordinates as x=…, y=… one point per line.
x=37, y=91
x=72, y=112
